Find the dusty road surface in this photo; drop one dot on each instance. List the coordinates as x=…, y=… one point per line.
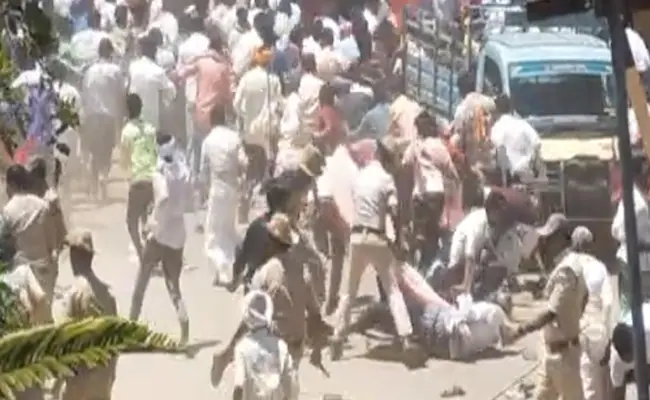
x=363, y=374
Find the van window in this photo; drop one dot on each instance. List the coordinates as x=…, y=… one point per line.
x=561, y=88
x=492, y=84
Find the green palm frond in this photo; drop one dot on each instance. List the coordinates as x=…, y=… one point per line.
x=30, y=357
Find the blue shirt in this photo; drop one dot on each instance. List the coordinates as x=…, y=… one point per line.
x=79, y=15
x=41, y=111
x=375, y=123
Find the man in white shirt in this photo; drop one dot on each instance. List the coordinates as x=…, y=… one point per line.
x=164, y=57
x=168, y=25
x=444, y=330
x=85, y=44
x=642, y=214
x=374, y=12
x=595, y=323
x=149, y=81
x=223, y=17
x=166, y=231
x=257, y=103
x=244, y=51
x=332, y=25
x=103, y=93
x=621, y=361
x=239, y=29
x=485, y=249
x=222, y=161
x=640, y=54
x=328, y=61
x=257, y=7
x=375, y=199
x=308, y=92
x=519, y=142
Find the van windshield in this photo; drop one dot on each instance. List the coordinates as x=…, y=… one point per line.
x=556, y=89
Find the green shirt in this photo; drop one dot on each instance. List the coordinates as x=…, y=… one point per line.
x=140, y=137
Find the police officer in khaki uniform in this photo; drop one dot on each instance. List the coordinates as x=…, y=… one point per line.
x=375, y=199
x=88, y=297
x=566, y=294
x=27, y=218
x=283, y=279
x=40, y=187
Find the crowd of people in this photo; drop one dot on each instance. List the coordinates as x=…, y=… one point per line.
x=212, y=107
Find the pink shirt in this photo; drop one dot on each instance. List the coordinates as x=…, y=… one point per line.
x=433, y=168
x=212, y=84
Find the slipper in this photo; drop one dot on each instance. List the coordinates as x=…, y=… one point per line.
x=455, y=391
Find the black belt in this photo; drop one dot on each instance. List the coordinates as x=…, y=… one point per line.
x=559, y=347
x=366, y=229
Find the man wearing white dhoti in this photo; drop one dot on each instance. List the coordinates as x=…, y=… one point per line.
x=222, y=161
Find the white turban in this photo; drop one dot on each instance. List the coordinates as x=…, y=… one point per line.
x=257, y=309
x=167, y=150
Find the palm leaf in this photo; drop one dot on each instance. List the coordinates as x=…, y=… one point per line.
x=32, y=356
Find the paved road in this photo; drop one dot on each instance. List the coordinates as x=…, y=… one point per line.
x=214, y=315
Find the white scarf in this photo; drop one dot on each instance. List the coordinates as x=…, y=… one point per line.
x=171, y=161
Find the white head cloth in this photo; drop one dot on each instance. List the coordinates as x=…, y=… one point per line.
x=257, y=309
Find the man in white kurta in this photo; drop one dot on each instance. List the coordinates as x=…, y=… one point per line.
x=222, y=160
x=150, y=81
x=257, y=102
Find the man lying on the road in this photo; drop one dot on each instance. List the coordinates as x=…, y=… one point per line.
x=442, y=329
x=621, y=357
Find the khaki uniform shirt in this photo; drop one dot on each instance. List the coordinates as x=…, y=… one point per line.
x=566, y=291
x=26, y=216
x=283, y=279
x=88, y=298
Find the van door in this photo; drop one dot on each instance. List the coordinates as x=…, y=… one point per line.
x=492, y=82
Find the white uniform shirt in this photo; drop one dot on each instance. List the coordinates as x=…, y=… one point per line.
x=472, y=235
x=192, y=47
x=642, y=226
x=170, y=187
x=639, y=50
x=222, y=156
x=373, y=192
x=149, y=81
x=103, y=89
x=520, y=141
